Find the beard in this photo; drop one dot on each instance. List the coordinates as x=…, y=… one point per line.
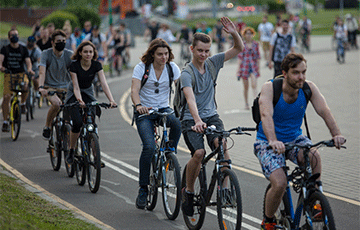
x=296, y=84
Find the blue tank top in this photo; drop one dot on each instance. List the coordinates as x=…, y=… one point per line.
x=287, y=119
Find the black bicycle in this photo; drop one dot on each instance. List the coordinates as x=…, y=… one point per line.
x=165, y=170
x=30, y=100
x=312, y=203
x=228, y=195
x=87, y=158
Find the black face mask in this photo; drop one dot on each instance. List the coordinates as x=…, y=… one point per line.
x=14, y=39
x=30, y=45
x=59, y=46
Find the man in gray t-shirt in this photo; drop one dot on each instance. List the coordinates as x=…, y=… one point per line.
x=54, y=75
x=200, y=110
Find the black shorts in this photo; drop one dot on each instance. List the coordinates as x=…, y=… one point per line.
x=119, y=50
x=194, y=140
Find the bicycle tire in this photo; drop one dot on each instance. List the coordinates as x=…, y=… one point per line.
x=15, y=120
x=171, y=186
x=196, y=221
x=79, y=161
x=27, y=105
x=317, y=206
x=153, y=185
x=94, y=163
x=283, y=211
x=32, y=104
x=54, y=147
x=229, y=206
x=70, y=169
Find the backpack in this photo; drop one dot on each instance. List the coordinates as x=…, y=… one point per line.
x=277, y=88
x=179, y=102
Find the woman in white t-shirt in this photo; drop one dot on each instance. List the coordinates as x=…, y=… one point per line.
x=154, y=94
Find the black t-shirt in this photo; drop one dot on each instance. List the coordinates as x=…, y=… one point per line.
x=14, y=59
x=45, y=46
x=185, y=34
x=85, y=78
x=154, y=31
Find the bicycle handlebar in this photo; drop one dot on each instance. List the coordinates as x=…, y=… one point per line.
x=238, y=131
x=91, y=104
x=156, y=112
x=327, y=143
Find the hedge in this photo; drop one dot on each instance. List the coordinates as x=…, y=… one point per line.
x=85, y=14
x=59, y=17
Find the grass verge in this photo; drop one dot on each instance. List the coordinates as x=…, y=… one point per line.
x=22, y=209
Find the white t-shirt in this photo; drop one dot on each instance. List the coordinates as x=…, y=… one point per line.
x=340, y=31
x=96, y=42
x=301, y=22
x=148, y=97
x=266, y=30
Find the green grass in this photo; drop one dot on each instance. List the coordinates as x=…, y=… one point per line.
x=21, y=209
x=24, y=31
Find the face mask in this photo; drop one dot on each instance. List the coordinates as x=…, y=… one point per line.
x=14, y=39
x=30, y=45
x=59, y=46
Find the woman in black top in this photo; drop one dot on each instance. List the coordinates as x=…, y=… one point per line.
x=83, y=72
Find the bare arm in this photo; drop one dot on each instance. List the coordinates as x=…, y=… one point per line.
x=2, y=68
x=77, y=92
x=29, y=66
x=106, y=88
x=230, y=28
x=270, y=56
x=135, y=96
x=190, y=98
x=42, y=71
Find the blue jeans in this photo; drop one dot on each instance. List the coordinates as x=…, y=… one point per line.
x=145, y=126
x=341, y=48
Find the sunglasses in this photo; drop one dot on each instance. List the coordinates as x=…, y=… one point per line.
x=156, y=84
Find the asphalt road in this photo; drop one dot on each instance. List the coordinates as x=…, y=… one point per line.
x=114, y=204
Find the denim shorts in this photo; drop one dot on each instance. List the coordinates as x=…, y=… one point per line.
x=271, y=161
x=194, y=140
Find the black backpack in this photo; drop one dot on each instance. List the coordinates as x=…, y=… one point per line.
x=277, y=88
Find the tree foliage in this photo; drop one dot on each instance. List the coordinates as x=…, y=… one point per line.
x=85, y=14
x=59, y=17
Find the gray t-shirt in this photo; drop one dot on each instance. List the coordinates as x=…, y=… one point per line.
x=57, y=68
x=204, y=88
x=34, y=55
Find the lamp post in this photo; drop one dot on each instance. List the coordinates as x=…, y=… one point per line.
x=110, y=12
x=305, y=12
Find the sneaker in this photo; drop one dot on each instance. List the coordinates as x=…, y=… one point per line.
x=267, y=225
x=317, y=212
x=6, y=127
x=141, y=200
x=23, y=109
x=102, y=164
x=46, y=133
x=70, y=157
x=187, y=203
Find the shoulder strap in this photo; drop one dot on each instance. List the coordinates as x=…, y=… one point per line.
x=171, y=73
x=277, y=89
x=145, y=76
x=307, y=91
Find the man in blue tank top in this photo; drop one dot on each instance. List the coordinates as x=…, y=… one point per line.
x=282, y=124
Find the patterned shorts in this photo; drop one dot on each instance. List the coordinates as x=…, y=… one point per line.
x=270, y=161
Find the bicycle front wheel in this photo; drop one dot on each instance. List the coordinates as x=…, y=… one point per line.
x=79, y=161
x=153, y=186
x=196, y=221
x=54, y=147
x=320, y=212
x=171, y=186
x=94, y=166
x=15, y=120
x=70, y=169
x=229, y=206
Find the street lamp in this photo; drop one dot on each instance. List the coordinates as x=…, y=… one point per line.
x=110, y=12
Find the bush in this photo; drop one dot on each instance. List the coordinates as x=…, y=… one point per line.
x=85, y=14
x=276, y=7
x=59, y=17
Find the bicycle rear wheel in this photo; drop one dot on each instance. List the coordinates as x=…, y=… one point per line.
x=171, y=186
x=320, y=213
x=229, y=206
x=79, y=161
x=15, y=121
x=70, y=169
x=153, y=186
x=196, y=221
x=94, y=164
x=54, y=147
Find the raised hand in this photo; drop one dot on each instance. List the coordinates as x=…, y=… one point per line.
x=229, y=26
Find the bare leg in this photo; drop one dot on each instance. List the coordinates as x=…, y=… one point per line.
x=73, y=139
x=275, y=193
x=193, y=169
x=6, y=106
x=253, y=84
x=55, y=106
x=246, y=92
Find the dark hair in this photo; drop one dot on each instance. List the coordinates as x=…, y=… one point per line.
x=77, y=55
x=11, y=31
x=285, y=20
x=57, y=33
x=201, y=37
x=291, y=61
x=148, y=57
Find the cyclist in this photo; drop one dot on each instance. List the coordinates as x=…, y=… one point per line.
x=45, y=41
x=118, y=40
x=304, y=27
x=127, y=41
x=200, y=110
x=185, y=38
x=54, y=75
x=281, y=124
x=34, y=54
x=13, y=57
x=219, y=36
x=83, y=72
x=153, y=95
x=99, y=40
x=341, y=34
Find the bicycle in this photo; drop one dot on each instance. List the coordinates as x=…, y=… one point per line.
x=228, y=195
x=312, y=203
x=87, y=159
x=304, y=42
x=60, y=138
x=164, y=170
x=30, y=101
x=185, y=55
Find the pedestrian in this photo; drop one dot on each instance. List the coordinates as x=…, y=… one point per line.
x=280, y=45
x=265, y=29
x=45, y=41
x=151, y=30
x=352, y=27
x=282, y=124
x=154, y=94
x=219, y=36
x=341, y=35
x=166, y=34
x=200, y=110
x=249, y=63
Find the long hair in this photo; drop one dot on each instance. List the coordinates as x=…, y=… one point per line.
x=77, y=55
x=148, y=57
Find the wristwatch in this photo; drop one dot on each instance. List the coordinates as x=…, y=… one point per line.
x=137, y=105
x=41, y=87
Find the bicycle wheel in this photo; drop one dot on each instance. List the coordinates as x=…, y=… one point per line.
x=283, y=211
x=153, y=186
x=27, y=105
x=94, y=163
x=171, y=186
x=54, y=147
x=32, y=104
x=320, y=213
x=196, y=221
x=70, y=169
x=229, y=206
x=15, y=120
x=79, y=161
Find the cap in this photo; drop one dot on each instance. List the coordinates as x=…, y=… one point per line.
x=95, y=27
x=31, y=39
